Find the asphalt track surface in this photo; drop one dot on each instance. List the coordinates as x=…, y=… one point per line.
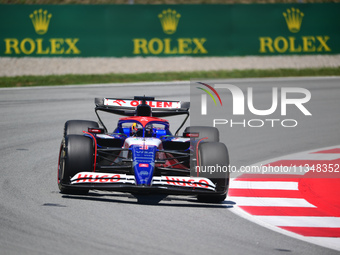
x=36, y=219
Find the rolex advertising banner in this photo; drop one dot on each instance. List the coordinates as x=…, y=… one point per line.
x=168, y=30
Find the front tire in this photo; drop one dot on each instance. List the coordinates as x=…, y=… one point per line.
x=214, y=154
x=76, y=155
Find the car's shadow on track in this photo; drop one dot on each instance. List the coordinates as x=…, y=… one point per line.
x=150, y=200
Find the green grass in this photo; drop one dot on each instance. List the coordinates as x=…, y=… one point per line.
x=50, y=80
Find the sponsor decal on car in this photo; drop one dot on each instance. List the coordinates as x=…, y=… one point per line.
x=178, y=181
x=143, y=165
x=134, y=103
x=88, y=177
x=189, y=182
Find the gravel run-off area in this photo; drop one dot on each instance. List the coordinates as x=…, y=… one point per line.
x=57, y=66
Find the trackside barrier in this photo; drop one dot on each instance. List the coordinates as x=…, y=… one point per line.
x=169, y=30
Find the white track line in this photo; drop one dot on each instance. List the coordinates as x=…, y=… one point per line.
x=301, y=221
x=157, y=83
x=271, y=201
x=239, y=184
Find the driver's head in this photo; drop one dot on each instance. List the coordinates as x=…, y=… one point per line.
x=134, y=126
x=134, y=129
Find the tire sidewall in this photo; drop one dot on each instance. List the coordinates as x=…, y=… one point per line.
x=213, y=154
x=76, y=155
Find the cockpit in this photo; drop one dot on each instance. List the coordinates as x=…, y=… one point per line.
x=143, y=127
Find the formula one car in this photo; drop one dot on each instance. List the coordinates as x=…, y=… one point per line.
x=141, y=155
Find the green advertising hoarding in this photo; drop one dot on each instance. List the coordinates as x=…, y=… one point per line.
x=168, y=30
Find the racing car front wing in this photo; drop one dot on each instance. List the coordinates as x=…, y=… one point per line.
x=127, y=183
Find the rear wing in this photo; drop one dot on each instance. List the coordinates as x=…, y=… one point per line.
x=127, y=107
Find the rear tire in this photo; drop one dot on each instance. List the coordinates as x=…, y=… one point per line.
x=214, y=154
x=76, y=155
x=76, y=127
